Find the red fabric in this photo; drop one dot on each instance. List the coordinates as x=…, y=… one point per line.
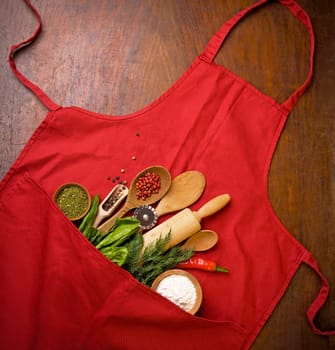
x=59, y=292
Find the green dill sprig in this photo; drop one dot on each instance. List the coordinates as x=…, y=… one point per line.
x=155, y=259
x=134, y=247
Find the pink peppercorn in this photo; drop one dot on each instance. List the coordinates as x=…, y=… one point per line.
x=147, y=184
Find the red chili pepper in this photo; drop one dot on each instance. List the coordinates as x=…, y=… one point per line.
x=196, y=262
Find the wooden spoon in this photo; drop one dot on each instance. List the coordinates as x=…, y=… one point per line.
x=186, y=188
x=132, y=201
x=201, y=241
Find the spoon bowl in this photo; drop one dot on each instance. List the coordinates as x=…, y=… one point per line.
x=186, y=188
x=165, y=183
x=133, y=201
x=201, y=241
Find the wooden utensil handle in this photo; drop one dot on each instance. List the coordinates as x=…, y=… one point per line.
x=212, y=206
x=108, y=224
x=98, y=219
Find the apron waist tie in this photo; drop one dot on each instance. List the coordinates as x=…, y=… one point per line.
x=321, y=297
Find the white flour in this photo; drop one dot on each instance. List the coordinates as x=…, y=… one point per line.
x=178, y=289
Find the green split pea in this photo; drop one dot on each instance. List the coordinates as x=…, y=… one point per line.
x=73, y=201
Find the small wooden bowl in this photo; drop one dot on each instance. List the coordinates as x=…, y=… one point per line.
x=194, y=281
x=73, y=184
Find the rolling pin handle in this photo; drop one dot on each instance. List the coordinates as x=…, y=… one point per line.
x=212, y=206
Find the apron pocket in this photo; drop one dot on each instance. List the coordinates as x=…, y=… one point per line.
x=135, y=317
x=59, y=289
x=145, y=320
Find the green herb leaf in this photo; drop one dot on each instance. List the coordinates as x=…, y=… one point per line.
x=89, y=218
x=116, y=254
x=123, y=229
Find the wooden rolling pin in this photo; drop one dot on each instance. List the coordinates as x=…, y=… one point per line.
x=185, y=223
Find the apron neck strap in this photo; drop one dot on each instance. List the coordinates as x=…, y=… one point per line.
x=15, y=48
x=216, y=42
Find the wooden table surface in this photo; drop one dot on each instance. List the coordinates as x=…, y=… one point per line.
x=114, y=57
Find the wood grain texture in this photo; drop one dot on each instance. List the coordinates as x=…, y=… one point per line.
x=115, y=57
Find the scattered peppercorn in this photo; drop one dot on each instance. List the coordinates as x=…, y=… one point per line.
x=133, y=158
x=122, y=170
x=147, y=185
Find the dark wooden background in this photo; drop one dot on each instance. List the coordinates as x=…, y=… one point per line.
x=115, y=56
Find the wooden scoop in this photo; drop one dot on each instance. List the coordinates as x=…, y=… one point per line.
x=132, y=201
x=186, y=188
x=201, y=241
x=112, y=201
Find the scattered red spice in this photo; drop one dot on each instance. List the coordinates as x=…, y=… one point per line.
x=147, y=185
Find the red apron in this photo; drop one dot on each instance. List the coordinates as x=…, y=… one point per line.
x=59, y=292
